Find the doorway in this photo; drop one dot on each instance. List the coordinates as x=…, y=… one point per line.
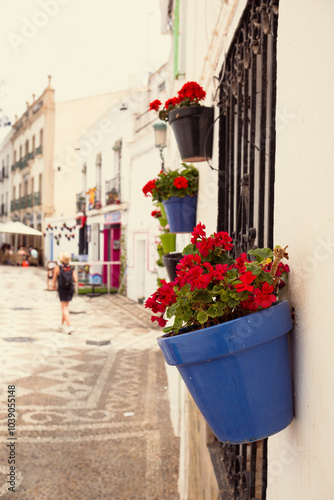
x=112, y=252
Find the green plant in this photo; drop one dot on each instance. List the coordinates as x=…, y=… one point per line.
x=180, y=182
x=190, y=95
x=211, y=287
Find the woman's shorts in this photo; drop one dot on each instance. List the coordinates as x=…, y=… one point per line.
x=65, y=294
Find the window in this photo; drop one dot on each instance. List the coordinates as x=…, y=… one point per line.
x=98, y=164
x=41, y=138
x=247, y=100
x=33, y=144
x=118, y=166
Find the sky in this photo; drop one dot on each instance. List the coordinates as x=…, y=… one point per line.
x=89, y=47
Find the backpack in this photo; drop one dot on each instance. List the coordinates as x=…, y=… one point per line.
x=65, y=277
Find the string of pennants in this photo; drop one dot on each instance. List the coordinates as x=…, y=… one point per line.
x=58, y=236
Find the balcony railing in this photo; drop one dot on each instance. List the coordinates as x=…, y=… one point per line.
x=39, y=150
x=14, y=205
x=30, y=200
x=81, y=202
x=13, y=167
x=113, y=191
x=37, y=198
x=31, y=155
x=22, y=202
x=23, y=162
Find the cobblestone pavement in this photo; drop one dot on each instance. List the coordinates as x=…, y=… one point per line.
x=92, y=421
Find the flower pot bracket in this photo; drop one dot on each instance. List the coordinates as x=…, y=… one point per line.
x=228, y=338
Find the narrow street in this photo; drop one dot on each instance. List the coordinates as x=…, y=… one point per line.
x=91, y=409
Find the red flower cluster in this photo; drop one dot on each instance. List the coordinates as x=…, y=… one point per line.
x=206, y=244
x=191, y=91
x=160, y=300
x=180, y=182
x=211, y=287
x=148, y=188
x=155, y=105
x=189, y=95
x=156, y=214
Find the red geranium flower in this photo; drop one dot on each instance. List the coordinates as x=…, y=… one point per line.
x=265, y=296
x=180, y=182
x=192, y=91
x=148, y=188
x=161, y=322
x=155, y=105
x=246, y=278
x=198, y=232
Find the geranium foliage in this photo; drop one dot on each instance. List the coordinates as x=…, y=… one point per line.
x=211, y=287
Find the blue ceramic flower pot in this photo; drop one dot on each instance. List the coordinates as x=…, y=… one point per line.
x=181, y=213
x=238, y=373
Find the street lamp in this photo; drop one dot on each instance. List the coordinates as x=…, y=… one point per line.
x=160, y=131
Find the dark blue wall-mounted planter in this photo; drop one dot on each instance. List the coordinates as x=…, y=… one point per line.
x=193, y=130
x=181, y=213
x=238, y=373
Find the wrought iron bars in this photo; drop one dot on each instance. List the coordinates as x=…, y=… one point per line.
x=247, y=129
x=246, y=182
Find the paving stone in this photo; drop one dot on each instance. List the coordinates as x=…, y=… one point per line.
x=92, y=420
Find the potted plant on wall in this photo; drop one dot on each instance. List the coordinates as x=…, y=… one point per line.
x=229, y=335
x=177, y=191
x=192, y=123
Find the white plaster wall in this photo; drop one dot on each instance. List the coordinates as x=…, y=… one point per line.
x=300, y=458
x=79, y=130
x=145, y=164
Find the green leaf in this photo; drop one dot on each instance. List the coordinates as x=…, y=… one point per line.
x=224, y=295
x=189, y=249
x=203, y=296
x=212, y=311
x=220, y=308
x=202, y=317
x=233, y=302
x=261, y=253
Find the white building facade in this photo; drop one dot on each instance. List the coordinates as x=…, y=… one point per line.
x=272, y=152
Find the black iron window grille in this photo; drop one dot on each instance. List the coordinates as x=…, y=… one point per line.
x=247, y=129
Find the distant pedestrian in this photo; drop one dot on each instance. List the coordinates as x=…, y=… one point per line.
x=66, y=276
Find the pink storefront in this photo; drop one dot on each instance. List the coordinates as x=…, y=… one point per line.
x=112, y=246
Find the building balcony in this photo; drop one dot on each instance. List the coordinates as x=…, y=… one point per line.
x=30, y=201
x=31, y=155
x=14, y=205
x=113, y=191
x=94, y=198
x=37, y=198
x=81, y=202
x=22, y=202
x=39, y=150
x=24, y=162
x=13, y=167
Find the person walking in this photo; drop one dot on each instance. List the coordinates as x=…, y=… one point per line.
x=66, y=276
